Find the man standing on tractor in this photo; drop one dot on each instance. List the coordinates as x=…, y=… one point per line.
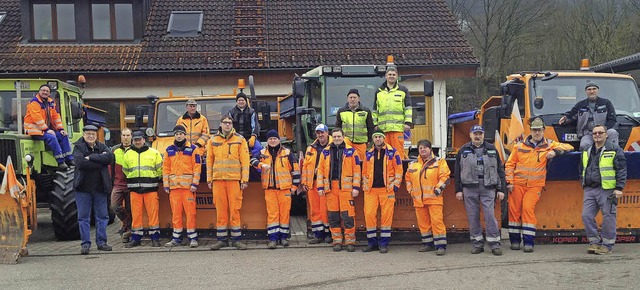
x=43, y=122
x=357, y=123
x=604, y=174
x=120, y=201
x=381, y=178
x=526, y=172
x=196, y=125
x=143, y=167
x=339, y=178
x=590, y=112
x=478, y=175
x=228, y=175
x=317, y=203
x=280, y=174
x=92, y=184
x=426, y=179
x=245, y=122
x=392, y=111
x=180, y=177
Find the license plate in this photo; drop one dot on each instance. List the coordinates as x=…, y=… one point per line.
x=570, y=137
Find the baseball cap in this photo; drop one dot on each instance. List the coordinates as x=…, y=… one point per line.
x=322, y=127
x=591, y=84
x=191, y=102
x=90, y=128
x=137, y=135
x=476, y=128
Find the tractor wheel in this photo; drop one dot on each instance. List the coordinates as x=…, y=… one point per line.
x=64, y=212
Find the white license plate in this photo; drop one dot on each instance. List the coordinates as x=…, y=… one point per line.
x=570, y=137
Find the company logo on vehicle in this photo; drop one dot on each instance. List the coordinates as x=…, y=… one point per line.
x=204, y=201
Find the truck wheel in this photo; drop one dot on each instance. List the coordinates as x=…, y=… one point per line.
x=64, y=212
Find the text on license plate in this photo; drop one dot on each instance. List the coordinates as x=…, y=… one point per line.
x=569, y=137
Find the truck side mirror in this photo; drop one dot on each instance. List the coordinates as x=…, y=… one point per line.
x=76, y=110
x=505, y=107
x=139, y=117
x=298, y=88
x=428, y=88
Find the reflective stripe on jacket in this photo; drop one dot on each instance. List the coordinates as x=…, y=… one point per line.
x=228, y=157
x=390, y=108
x=424, y=178
x=197, y=128
x=310, y=163
x=350, y=176
x=527, y=164
x=41, y=116
x=143, y=168
x=613, y=167
x=285, y=168
x=392, y=168
x=181, y=168
x=357, y=124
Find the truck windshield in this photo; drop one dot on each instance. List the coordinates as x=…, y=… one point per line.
x=562, y=93
x=336, y=89
x=168, y=113
x=9, y=110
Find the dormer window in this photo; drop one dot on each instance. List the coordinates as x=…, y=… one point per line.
x=53, y=22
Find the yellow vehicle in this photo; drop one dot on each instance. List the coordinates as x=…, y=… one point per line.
x=549, y=94
x=163, y=115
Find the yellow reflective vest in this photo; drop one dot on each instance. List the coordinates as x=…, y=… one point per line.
x=143, y=168
x=392, y=109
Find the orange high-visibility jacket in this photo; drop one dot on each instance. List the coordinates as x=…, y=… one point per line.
x=527, y=164
x=310, y=163
x=424, y=178
x=227, y=157
x=350, y=175
x=41, y=116
x=285, y=168
x=197, y=128
x=392, y=168
x=181, y=169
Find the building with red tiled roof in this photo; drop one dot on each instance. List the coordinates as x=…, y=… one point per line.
x=130, y=49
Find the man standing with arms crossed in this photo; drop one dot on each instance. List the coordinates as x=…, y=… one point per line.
x=143, y=167
x=228, y=175
x=382, y=175
x=120, y=201
x=356, y=121
x=604, y=174
x=180, y=177
x=392, y=111
x=317, y=203
x=478, y=174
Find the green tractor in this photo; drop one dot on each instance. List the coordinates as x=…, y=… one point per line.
x=53, y=187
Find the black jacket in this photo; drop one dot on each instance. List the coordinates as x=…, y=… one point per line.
x=572, y=114
x=245, y=121
x=99, y=160
x=619, y=164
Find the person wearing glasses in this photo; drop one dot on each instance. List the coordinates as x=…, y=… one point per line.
x=43, y=122
x=589, y=112
x=526, y=172
x=604, y=174
x=227, y=174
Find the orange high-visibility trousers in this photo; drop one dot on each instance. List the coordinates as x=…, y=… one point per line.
x=374, y=198
x=278, y=208
x=227, y=197
x=396, y=140
x=318, y=213
x=341, y=209
x=431, y=224
x=183, y=201
x=361, y=149
x=522, y=216
x=140, y=202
